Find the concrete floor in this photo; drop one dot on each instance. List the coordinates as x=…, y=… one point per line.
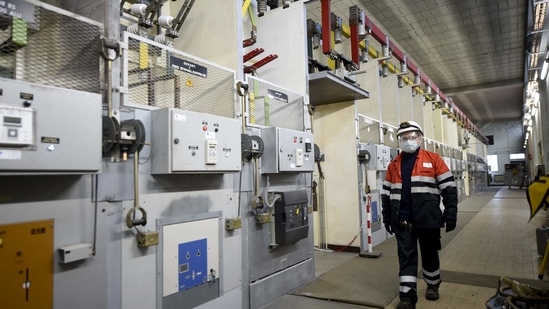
x=498, y=241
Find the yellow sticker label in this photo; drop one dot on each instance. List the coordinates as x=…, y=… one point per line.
x=143, y=55
x=189, y=82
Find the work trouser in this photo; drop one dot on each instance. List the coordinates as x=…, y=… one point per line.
x=429, y=243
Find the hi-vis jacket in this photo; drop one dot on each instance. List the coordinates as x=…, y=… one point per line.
x=431, y=179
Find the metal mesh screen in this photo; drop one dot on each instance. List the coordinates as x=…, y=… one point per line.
x=273, y=106
x=163, y=77
x=51, y=49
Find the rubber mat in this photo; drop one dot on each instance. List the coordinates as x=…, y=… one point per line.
x=489, y=281
x=368, y=282
x=360, y=281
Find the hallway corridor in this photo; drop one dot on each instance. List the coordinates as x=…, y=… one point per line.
x=493, y=239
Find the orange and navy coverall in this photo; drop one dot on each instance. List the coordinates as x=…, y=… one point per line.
x=430, y=180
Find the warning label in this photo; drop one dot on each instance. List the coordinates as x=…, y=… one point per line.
x=189, y=67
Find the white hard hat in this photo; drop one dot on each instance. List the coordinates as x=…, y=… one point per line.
x=409, y=126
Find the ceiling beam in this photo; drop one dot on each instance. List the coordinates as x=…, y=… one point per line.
x=484, y=86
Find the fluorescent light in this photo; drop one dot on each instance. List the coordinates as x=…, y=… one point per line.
x=544, y=69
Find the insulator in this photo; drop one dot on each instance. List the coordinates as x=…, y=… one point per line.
x=385, y=50
x=365, y=52
x=364, y=56
x=403, y=68
x=338, y=37
x=165, y=21
x=161, y=39
x=361, y=29
x=133, y=29
x=261, y=7
x=138, y=9
x=316, y=41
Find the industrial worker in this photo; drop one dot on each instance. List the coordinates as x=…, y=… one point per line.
x=411, y=194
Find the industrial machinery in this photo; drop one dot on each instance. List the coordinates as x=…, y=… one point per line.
x=373, y=162
x=279, y=158
x=376, y=161
x=288, y=151
x=291, y=217
x=40, y=134
x=190, y=257
x=26, y=264
x=188, y=142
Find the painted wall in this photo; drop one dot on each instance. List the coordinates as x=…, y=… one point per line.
x=508, y=139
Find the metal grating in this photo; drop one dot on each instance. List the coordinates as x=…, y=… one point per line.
x=273, y=106
x=51, y=47
x=161, y=76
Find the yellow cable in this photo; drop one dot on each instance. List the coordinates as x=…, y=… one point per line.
x=245, y=6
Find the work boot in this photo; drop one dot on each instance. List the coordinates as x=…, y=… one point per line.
x=432, y=292
x=405, y=304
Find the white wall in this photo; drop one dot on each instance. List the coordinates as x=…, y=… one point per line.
x=508, y=138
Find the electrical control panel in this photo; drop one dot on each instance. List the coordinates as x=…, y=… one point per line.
x=190, y=255
x=380, y=156
x=287, y=150
x=193, y=263
x=48, y=130
x=190, y=142
x=291, y=217
x=17, y=126
x=26, y=264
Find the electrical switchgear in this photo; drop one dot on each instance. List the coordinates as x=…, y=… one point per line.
x=48, y=130
x=291, y=217
x=287, y=150
x=380, y=156
x=17, y=125
x=191, y=259
x=190, y=142
x=26, y=265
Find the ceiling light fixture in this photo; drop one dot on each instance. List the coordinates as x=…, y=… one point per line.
x=545, y=68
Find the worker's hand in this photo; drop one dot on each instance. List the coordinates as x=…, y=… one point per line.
x=450, y=225
x=388, y=228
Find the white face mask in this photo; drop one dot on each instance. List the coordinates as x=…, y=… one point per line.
x=409, y=146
